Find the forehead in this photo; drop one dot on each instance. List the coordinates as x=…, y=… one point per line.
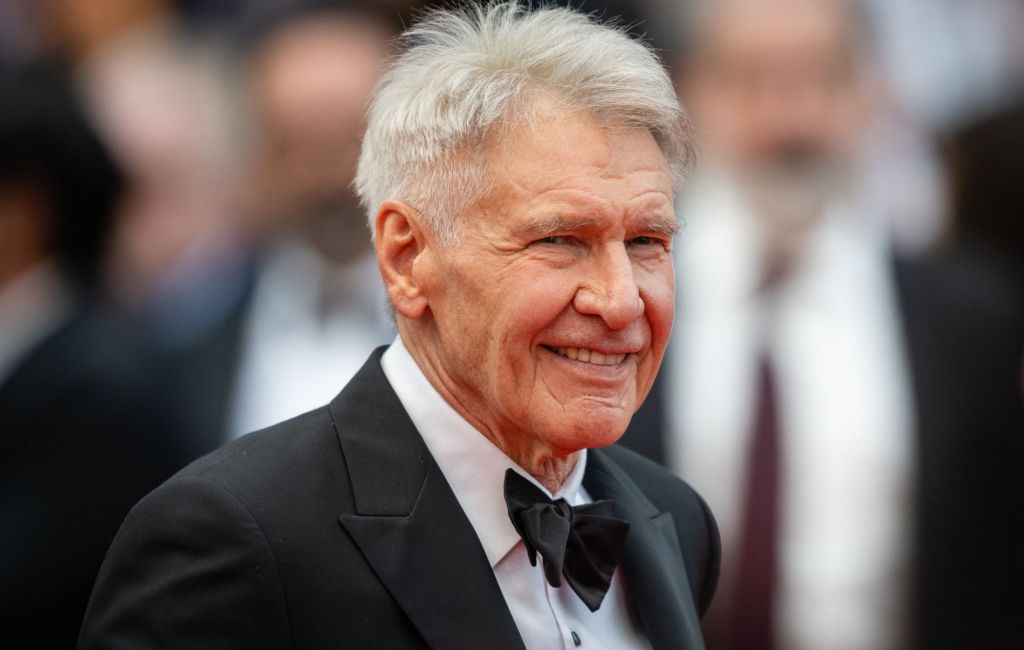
x=754, y=27
x=571, y=158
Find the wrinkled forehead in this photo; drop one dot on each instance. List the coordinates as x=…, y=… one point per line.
x=573, y=167
x=527, y=135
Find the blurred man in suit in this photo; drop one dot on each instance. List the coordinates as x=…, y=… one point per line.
x=81, y=436
x=243, y=254
x=317, y=304
x=853, y=419
x=518, y=170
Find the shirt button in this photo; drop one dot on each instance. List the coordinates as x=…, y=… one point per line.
x=576, y=639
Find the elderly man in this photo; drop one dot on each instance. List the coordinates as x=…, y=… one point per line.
x=519, y=170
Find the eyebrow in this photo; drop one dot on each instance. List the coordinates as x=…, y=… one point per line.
x=669, y=228
x=548, y=225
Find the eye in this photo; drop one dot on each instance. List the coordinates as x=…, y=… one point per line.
x=646, y=241
x=556, y=240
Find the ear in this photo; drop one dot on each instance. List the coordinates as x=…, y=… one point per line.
x=401, y=241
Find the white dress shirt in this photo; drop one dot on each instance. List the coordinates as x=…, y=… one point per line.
x=547, y=617
x=302, y=338
x=833, y=332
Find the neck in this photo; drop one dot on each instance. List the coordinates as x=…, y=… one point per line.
x=550, y=471
x=550, y=466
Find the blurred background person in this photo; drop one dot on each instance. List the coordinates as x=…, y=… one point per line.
x=216, y=242
x=242, y=254
x=987, y=178
x=185, y=248
x=317, y=303
x=83, y=432
x=853, y=419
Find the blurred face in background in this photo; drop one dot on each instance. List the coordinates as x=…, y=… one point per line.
x=167, y=110
x=311, y=82
x=778, y=92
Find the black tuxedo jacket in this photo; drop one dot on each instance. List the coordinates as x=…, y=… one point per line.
x=337, y=530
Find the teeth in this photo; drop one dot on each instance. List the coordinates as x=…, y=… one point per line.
x=591, y=356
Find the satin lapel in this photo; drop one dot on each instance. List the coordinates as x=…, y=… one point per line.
x=409, y=525
x=652, y=563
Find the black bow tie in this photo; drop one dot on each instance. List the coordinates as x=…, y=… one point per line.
x=583, y=543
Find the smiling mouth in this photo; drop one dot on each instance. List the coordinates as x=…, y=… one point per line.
x=585, y=355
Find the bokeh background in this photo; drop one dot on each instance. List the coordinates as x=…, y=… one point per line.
x=182, y=260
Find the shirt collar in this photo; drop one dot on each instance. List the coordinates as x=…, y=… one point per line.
x=473, y=466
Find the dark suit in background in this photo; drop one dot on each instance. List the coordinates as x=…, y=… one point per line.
x=337, y=529
x=82, y=435
x=964, y=339
x=82, y=440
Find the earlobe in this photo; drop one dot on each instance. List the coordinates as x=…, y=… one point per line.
x=400, y=242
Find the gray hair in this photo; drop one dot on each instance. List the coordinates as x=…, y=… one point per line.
x=462, y=74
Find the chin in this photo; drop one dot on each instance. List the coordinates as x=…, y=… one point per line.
x=598, y=429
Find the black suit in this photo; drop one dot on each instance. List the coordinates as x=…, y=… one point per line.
x=337, y=529
x=964, y=338
x=81, y=440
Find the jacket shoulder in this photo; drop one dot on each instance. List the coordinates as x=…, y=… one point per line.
x=210, y=539
x=189, y=548
x=262, y=460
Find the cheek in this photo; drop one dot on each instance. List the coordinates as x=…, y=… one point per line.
x=461, y=319
x=540, y=309
x=524, y=313
x=506, y=317
x=534, y=305
x=658, y=291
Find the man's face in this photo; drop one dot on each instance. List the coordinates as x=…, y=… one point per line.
x=310, y=84
x=778, y=90
x=551, y=315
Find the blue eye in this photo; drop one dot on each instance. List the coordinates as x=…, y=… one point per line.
x=649, y=245
x=554, y=239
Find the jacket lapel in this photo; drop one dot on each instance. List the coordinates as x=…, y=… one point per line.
x=409, y=525
x=652, y=559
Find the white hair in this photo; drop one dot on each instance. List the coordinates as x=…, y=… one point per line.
x=463, y=73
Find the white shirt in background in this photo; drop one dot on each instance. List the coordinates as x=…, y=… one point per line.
x=303, y=340
x=834, y=335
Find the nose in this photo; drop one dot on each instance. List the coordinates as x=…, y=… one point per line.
x=609, y=289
